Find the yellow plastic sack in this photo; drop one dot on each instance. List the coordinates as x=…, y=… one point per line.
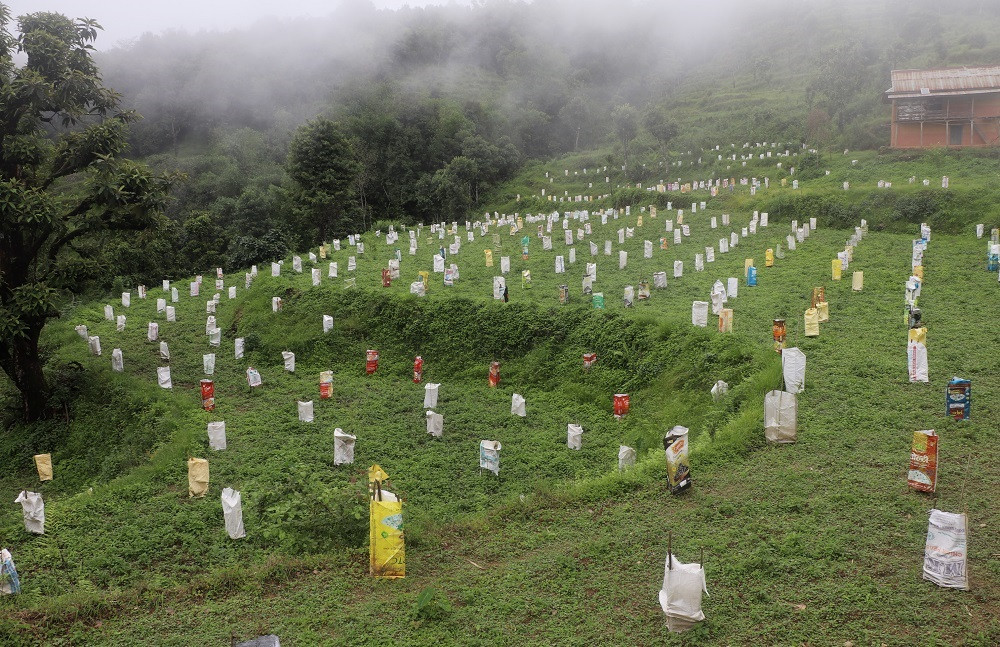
x=858, y=281
x=425, y=277
x=918, y=335
x=918, y=272
x=322, y=250
x=823, y=311
x=726, y=320
x=680, y=218
x=489, y=258
x=769, y=258
x=43, y=462
x=837, y=268
x=812, y=323
x=386, y=543
x=747, y=264
x=197, y=477
x=638, y=223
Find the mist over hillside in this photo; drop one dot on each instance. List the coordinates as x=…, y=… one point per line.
x=548, y=72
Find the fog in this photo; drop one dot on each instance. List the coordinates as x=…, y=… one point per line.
x=126, y=21
x=546, y=72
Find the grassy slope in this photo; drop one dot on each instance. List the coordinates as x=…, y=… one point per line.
x=826, y=523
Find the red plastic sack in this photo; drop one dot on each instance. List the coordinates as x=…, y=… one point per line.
x=621, y=402
x=494, y=375
x=208, y=395
x=371, y=361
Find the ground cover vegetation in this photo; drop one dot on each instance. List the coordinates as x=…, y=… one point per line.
x=819, y=542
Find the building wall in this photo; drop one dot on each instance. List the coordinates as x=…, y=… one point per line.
x=987, y=124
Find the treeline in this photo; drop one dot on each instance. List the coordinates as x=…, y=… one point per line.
x=250, y=196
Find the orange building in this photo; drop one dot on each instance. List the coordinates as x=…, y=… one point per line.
x=945, y=107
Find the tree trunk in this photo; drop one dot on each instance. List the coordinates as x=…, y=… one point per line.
x=23, y=365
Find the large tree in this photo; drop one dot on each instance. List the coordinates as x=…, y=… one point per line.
x=64, y=189
x=323, y=164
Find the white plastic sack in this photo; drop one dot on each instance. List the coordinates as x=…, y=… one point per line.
x=126, y=299
x=194, y=288
x=780, y=416
x=793, y=367
x=332, y=273
x=945, y=552
x=153, y=331
x=275, y=269
x=343, y=447
x=699, y=313
x=699, y=263
x=719, y=389
x=499, y=286
x=435, y=424
x=174, y=295
x=438, y=263
x=504, y=264
x=109, y=312
x=208, y=362
x=210, y=306
x=659, y=280
x=305, y=411
x=215, y=337
x=217, y=435
x=316, y=276
x=161, y=305
x=164, y=351
x=517, y=405
x=680, y=597
x=647, y=249
x=489, y=455
x=171, y=313
x=574, y=436
x=417, y=288
x=732, y=287
x=289, y=358
x=678, y=269
x=232, y=292
x=238, y=348
x=95, y=345
x=34, y=511
x=120, y=324
x=232, y=513
x=163, y=376
x=117, y=361
x=327, y=323
x=430, y=395
x=626, y=457
x=916, y=359
x=622, y=259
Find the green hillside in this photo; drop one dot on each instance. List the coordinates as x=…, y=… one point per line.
x=819, y=542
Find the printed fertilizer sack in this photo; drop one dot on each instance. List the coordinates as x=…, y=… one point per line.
x=922, y=475
x=386, y=540
x=10, y=584
x=675, y=445
x=945, y=550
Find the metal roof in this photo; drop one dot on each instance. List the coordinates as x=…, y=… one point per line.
x=946, y=80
